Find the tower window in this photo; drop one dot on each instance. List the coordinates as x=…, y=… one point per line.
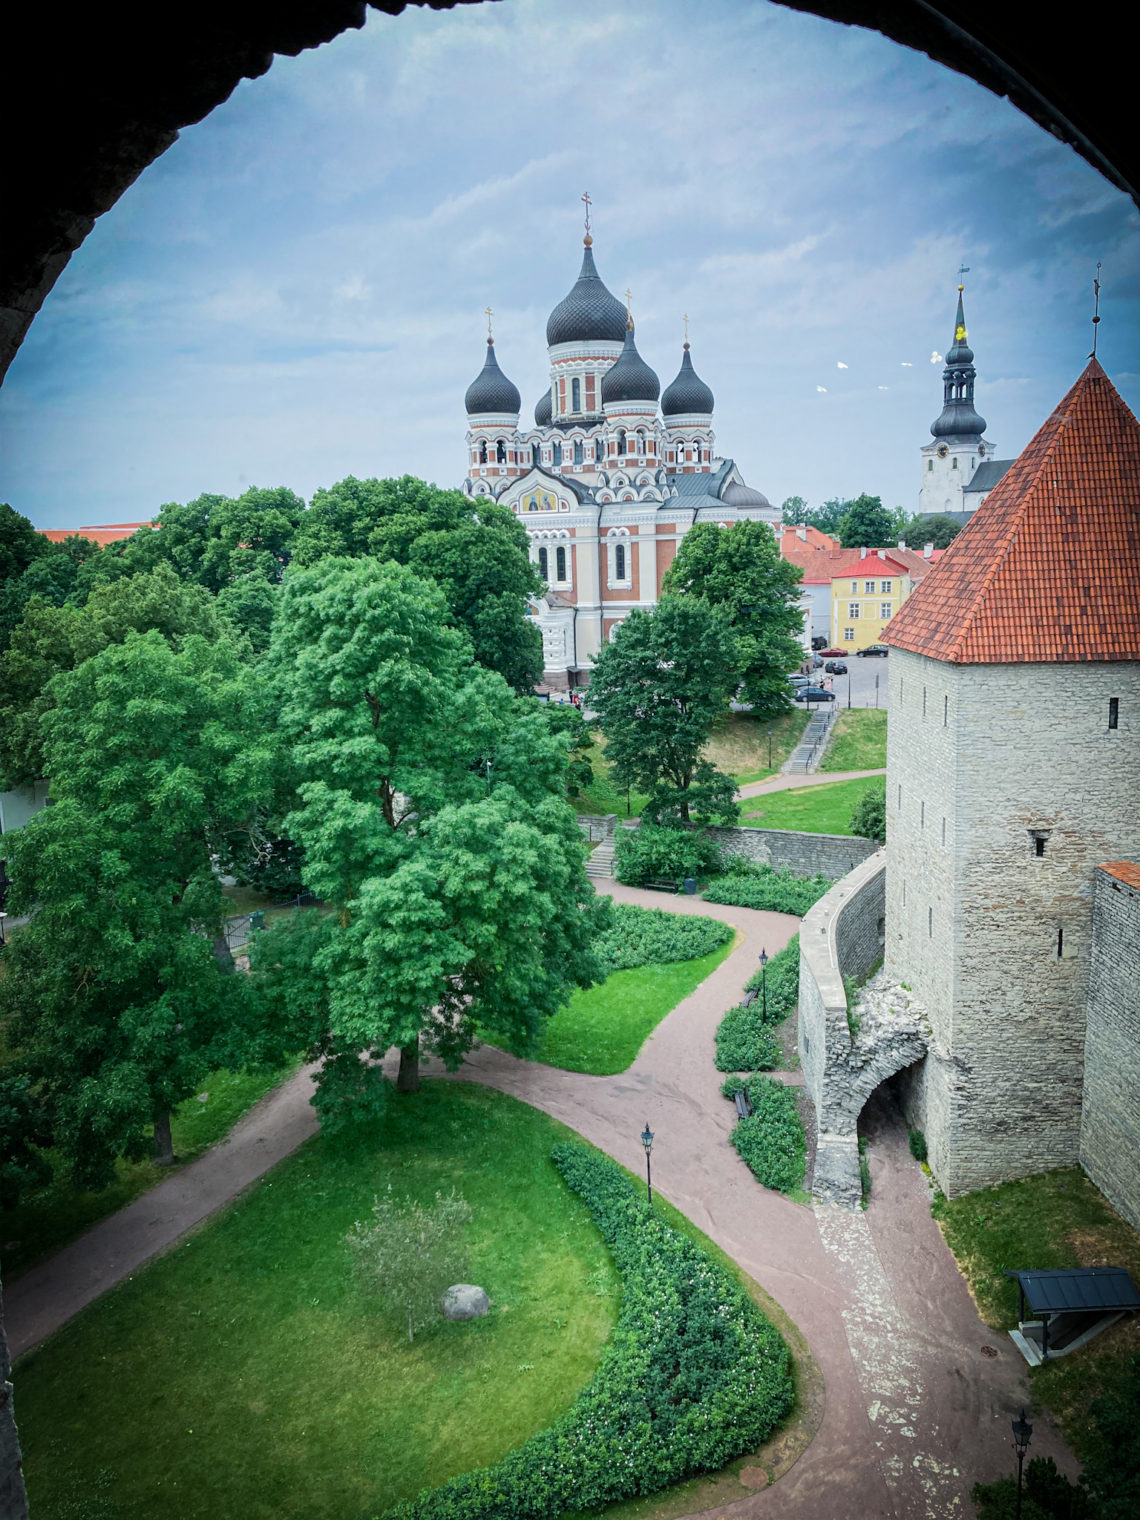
x=1060, y=942
x=619, y=562
x=954, y=462
x=621, y=440
x=598, y=450
x=575, y=395
x=922, y=815
x=943, y=831
x=945, y=711
x=1114, y=712
x=501, y=452
x=1038, y=838
x=578, y=455
x=557, y=453
x=900, y=795
x=483, y=452
x=904, y=895
x=560, y=563
x=544, y=564
x=930, y=464
x=924, y=701
x=534, y=453
x=930, y=923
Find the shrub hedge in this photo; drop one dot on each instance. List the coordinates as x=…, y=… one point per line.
x=694, y=1376
x=656, y=854
x=744, y=1042
x=783, y=981
x=771, y=1140
x=766, y=889
x=648, y=936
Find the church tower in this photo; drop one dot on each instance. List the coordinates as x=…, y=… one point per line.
x=951, y=461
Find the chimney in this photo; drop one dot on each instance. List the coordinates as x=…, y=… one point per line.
x=902, y=543
x=862, y=552
x=882, y=554
x=801, y=534
x=927, y=550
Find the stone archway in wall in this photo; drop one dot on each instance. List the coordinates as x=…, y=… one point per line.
x=99, y=92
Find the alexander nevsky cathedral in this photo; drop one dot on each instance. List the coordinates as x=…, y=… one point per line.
x=610, y=478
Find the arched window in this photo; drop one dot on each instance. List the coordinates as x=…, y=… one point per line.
x=501, y=452
x=579, y=457
x=640, y=441
x=560, y=564
x=619, y=562
x=534, y=453
x=557, y=453
x=483, y=452
x=575, y=395
x=621, y=440
x=544, y=564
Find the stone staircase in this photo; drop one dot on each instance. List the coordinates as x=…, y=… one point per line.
x=601, y=862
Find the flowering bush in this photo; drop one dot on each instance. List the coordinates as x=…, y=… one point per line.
x=694, y=1376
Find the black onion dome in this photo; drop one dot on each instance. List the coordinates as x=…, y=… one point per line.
x=543, y=411
x=737, y=495
x=688, y=393
x=630, y=379
x=958, y=419
x=588, y=312
x=491, y=391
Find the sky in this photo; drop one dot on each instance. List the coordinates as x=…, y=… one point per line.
x=294, y=292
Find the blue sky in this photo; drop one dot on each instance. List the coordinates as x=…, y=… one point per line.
x=295, y=291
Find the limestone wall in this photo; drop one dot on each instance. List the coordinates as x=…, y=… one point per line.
x=1110, y=1119
x=831, y=855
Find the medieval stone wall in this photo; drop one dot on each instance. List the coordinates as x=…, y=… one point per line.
x=1110, y=1121
x=991, y=928
x=831, y=855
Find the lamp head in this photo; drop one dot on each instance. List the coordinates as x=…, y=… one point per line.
x=1022, y=1430
x=763, y=957
x=647, y=1138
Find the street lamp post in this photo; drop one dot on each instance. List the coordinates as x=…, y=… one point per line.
x=1021, y=1433
x=769, y=749
x=647, y=1141
x=764, y=985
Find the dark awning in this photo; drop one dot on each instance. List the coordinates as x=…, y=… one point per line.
x=1078, y=1290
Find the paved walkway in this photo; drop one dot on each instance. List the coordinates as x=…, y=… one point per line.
x=787, y=783
x=913, y=1412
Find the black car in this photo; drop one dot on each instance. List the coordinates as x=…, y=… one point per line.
x=814, y=694
x=835, y=668
x=874, y=649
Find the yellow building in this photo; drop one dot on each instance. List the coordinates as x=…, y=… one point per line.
x=866, y=594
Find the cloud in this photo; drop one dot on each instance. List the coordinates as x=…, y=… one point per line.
x=906, y=365
x=822, y=389
x=839, y=364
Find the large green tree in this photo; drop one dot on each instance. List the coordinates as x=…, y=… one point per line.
x=656, y=689
x=866, y=523
x=118, y=989
x=739, y=571
x=433, y=821
x=937, y=529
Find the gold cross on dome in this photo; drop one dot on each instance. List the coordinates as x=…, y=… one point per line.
x=585, y=198
x=489, y=312
x=685, y=319
x=628, y=298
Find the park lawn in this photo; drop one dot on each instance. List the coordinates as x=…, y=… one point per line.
x=1056, y=1219
x=603, y=1027
x=244, y=1376
x=858, y=741
x=603, y=796
x=738, y=743
x=50, y=1217
x=811, y=809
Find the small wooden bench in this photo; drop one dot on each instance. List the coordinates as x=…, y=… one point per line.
x=743, y=1107
x=662, y=886
x=749, y=997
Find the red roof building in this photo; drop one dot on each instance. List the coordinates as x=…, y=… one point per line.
x=110, y=533
x=1046, y=570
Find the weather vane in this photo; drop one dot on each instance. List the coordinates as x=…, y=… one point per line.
x=1096, y=307
x=587, y=202
x=490, y=335
x=963, y=271
x=685, y=319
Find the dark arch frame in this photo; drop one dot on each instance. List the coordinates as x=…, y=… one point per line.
x=96, y=93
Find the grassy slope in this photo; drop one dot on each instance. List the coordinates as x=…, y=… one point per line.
x=1057, y=1219
x=859, y=741
x=47, y=1219
x=812, y=809
x=244, y=1376
x=603, y=1028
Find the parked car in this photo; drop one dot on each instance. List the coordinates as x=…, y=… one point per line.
x=834, y=654
x=798, y=680
x=874, y=649
x=836, y=667
x=813, y=694
x=818, y=642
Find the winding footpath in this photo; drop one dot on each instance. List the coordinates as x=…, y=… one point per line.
x=913, y=1412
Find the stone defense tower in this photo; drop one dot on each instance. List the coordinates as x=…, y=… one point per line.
x=1012, y=771
x=952, y=460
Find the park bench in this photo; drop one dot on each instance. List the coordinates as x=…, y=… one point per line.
x=743, y=1107
x=662, y=886
x=749, y=997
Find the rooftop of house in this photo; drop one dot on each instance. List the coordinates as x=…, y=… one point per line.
x=1046, y=569
x=109, y=533
x=1127, y=871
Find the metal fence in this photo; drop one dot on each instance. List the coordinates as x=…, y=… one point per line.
x=242, y=925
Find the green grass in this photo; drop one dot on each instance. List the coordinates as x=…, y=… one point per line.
x=738, y=743
x=858, y=741
x=811, y=809
x=1056, y=1219
x=603, y=796
x=244, y=1376
x=53, y=1215
x=604, y=1027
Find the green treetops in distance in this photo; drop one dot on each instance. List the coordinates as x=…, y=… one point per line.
x=433, y=821
x=866, y=523
x=656, y=690
x=739, y=571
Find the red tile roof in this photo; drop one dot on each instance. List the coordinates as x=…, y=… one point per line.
x=1047, y=568
x=1126, y=871
x=110, y=533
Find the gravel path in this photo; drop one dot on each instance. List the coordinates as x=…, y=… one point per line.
x=913, y=1412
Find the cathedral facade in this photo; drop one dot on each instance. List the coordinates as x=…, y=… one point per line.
x=609, y=479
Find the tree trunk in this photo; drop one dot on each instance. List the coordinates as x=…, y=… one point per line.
x=163, y=1143
x=408, y=1080
x=222, y=954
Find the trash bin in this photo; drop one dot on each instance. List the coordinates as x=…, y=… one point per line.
x=256, y=921
x=689, y=885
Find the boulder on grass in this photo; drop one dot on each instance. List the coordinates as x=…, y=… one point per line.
x=464, y=1301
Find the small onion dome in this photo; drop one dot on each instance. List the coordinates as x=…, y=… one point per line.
x=543, y=411
x=688, y=394
x=630, y=379
x=958, y=419
x=737, y=495
x=589, y=312
x=491, y=391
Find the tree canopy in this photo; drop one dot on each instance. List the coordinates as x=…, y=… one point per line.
x=866, y=523
x=656, y=689
x=739, y=571
x=432, y=818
